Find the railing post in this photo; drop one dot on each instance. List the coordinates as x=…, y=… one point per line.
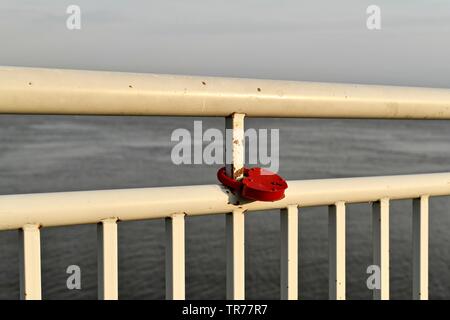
x=30, y=262
x=289, y=253
x=175, y=257
x=336, y=238
x=108, y=286
x=234, y=145
x=420, y=248
x=380, y=229
x=235, y=221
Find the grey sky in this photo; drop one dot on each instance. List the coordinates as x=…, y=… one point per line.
x=291, y=39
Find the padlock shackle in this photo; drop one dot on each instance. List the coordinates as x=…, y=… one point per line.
x=228, y=181
x=254, y=185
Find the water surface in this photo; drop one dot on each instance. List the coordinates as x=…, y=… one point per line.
x=43, y=154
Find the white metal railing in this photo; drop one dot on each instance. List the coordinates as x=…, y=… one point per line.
x=30, y=212
x=46, y=91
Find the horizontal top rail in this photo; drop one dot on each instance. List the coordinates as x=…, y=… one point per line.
x=81, y=207
x=76, y=92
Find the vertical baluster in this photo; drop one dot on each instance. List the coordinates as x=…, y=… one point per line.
x=107, y=259
x=235, y=230
x=336, y=238
x=420, y=248
x=175, y=257
x=289, y=253
x=30, y=262
x=235, y=222
x=380, y=228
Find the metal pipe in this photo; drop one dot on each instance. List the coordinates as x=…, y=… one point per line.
x=81, y=207
x=336, y=251
x=420, y=226
x=289, y=253
x=107, y=260
x=30, y=262
x=175, y=258
x=52, y=91
x=380, y=231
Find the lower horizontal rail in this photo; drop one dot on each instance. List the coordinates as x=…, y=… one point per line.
x=82, y=207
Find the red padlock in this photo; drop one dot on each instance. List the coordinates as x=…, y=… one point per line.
x=257, y=184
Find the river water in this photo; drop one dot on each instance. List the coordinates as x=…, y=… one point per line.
x=51, y=153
